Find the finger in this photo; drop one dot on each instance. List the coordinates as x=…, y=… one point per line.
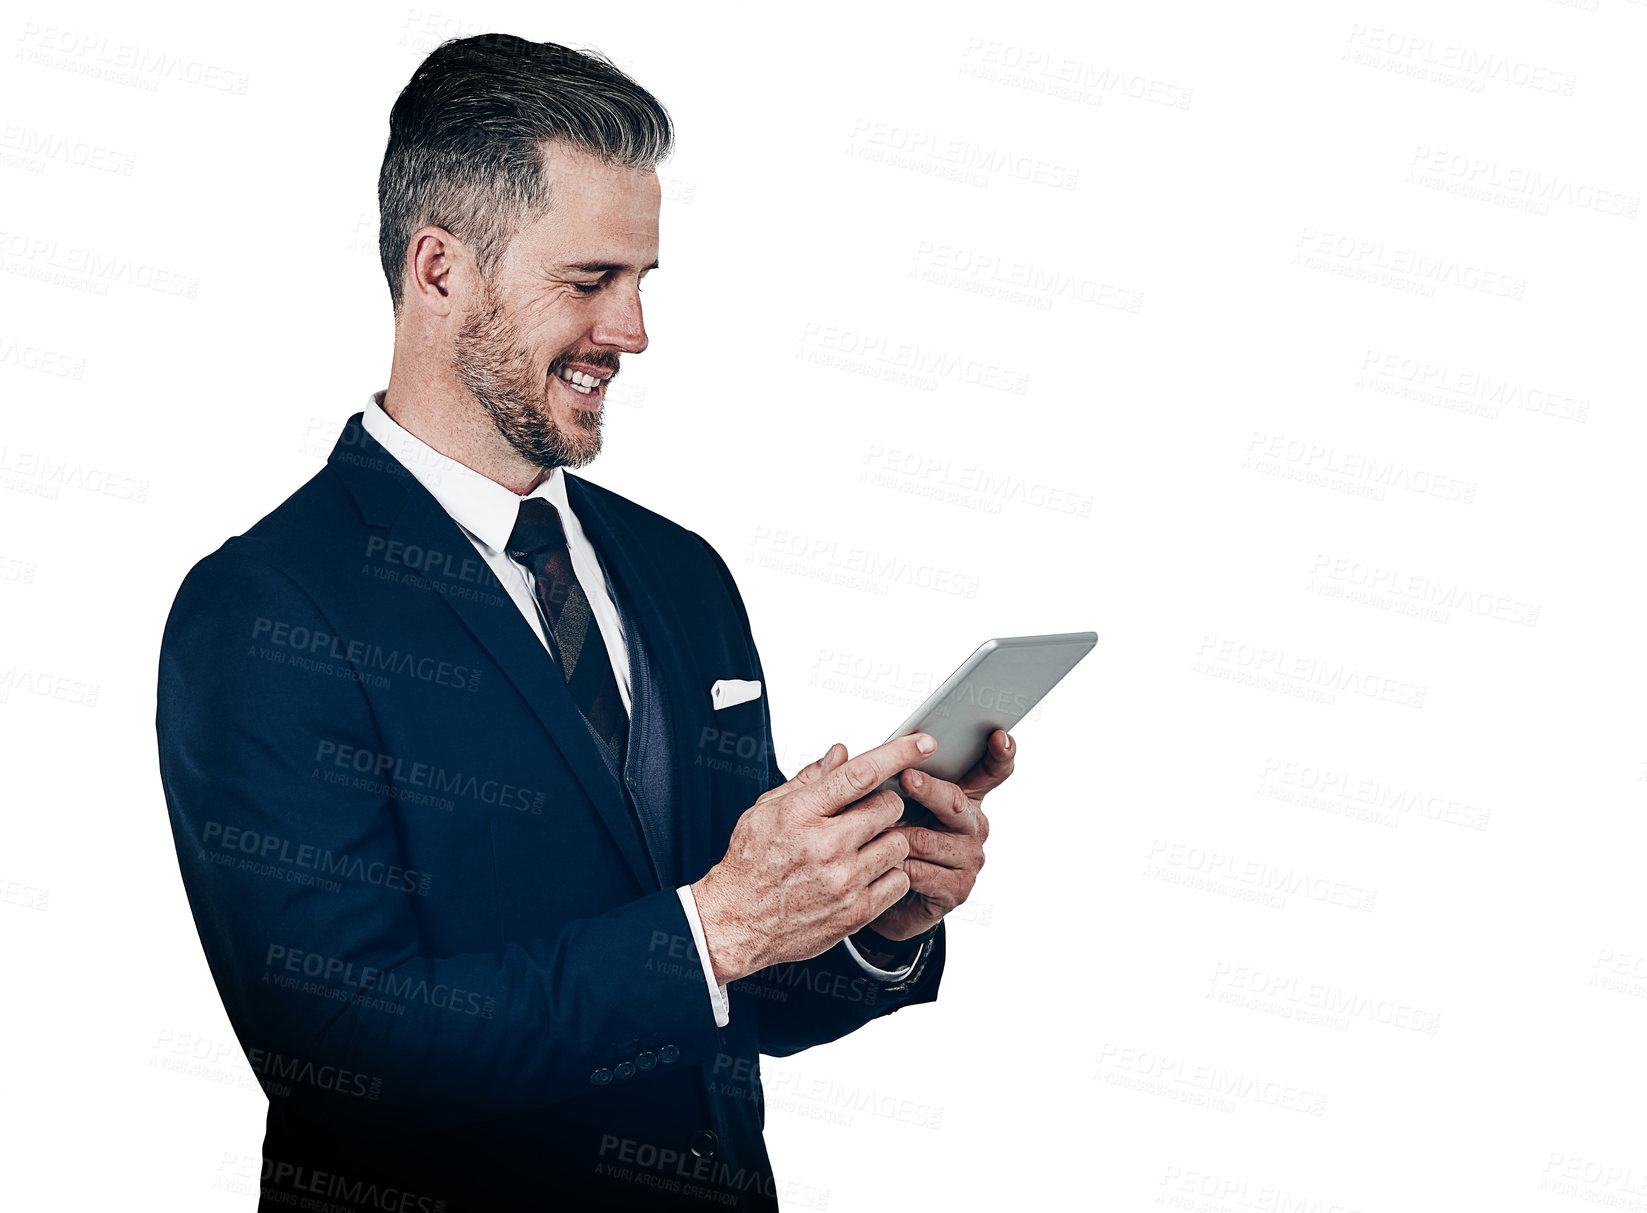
x=992, y=769
x=881, y=854
x=943, y=849
x=940, y=889
x=951, y=806
x=814, y=771
x=809, y=774
x=886, y=891
x=871, y=816
x=857, y=777
x=936, y=891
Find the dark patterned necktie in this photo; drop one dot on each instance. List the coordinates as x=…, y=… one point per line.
x=539, y=542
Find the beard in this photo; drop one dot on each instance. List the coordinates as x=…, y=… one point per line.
x=493, y=363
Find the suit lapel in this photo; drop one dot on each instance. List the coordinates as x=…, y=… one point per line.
x=638, y=580
x=390, y=496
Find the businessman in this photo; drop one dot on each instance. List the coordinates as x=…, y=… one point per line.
x=469, y=762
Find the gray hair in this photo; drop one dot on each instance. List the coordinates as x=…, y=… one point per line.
x=467, y=135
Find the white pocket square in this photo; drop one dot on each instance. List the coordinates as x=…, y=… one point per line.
x=728, y=691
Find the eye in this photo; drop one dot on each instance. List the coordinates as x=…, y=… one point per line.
x=586, y=288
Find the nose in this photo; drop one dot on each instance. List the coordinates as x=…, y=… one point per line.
x=619, y=323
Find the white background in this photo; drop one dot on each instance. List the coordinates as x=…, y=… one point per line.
x=1319, y=880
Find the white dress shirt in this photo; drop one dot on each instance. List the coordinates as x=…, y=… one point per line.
x=486, y=512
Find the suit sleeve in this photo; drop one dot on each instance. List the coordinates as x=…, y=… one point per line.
x=239, y=726
x=814, y=1001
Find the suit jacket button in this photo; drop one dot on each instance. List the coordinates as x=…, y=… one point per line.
x=646, y=1060
x=624, y=1069
x=704, y=1143
x=601, y=1077
x=669, y=1055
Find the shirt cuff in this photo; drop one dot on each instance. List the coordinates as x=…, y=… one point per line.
x=717, y=993
x=884, y=974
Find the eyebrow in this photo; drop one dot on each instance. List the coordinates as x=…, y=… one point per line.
x=598, y=267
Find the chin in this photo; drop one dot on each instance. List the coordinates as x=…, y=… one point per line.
x=582, y=444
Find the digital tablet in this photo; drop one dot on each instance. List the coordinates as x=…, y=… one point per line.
x=994, y=688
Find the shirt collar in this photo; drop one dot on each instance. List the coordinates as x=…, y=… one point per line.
x=483, y=507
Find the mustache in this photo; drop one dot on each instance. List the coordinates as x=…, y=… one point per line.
x=604, y=359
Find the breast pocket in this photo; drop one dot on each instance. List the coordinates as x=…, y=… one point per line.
x=732, y=744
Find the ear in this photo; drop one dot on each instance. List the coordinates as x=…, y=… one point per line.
x=431, y=256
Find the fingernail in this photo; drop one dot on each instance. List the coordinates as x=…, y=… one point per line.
x=1009, y=743
x=925, y=744
x=915, y=779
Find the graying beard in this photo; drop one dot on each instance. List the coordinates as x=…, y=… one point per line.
x=485, y=353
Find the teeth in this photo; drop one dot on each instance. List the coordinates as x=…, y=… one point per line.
x=578, y=380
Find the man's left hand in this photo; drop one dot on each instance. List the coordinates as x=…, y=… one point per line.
x=946, y=839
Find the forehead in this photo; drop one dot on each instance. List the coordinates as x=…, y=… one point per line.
x=596, y=211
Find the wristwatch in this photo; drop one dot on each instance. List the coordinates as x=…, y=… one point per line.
x=898, y=951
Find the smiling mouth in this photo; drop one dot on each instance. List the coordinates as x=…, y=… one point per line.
x=579, y=382
x=585, y=380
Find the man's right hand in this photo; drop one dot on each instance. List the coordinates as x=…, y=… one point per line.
x=810, y=862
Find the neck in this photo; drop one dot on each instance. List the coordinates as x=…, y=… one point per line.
x=448, y=418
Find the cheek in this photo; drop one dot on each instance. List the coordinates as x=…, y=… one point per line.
x=548, y=329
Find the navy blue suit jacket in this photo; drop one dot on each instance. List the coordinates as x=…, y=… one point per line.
x=423, y=896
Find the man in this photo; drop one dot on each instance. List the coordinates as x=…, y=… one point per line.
x=455, y=744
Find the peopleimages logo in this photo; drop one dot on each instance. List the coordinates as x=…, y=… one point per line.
x=45, y=255
x=278, y=1069
x=385, y=982
x=401, y=773
x=707, y=1179
x=433, y=562
x=287, y=1180
x=367, y=658
x=269, y=851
